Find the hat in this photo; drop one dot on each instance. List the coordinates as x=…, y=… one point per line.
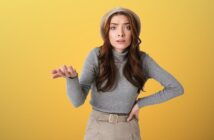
x=115, y=10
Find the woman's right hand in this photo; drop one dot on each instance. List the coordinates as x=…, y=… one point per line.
x=64, y=71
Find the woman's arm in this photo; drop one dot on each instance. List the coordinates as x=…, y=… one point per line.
x=172, y=87
x=78, y=88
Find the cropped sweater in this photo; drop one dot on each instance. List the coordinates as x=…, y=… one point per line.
x=124, y=95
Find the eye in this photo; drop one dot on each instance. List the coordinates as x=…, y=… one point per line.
x=112, y=28
x=128, y=27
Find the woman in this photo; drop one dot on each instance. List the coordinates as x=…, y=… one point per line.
x=116, y=73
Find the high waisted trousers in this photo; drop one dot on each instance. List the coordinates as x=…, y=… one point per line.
x=100, y=129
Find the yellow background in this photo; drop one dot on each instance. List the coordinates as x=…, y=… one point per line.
x=38, y=36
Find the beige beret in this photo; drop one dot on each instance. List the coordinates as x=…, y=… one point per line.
x=115, y=10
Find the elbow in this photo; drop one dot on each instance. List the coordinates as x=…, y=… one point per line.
x=75, y=103
x=180, y=89
x=78, y=104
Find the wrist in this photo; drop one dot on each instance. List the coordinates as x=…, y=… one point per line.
x=137, y=105
x=72, y=77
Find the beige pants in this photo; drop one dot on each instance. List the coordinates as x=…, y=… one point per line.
x=103, y=130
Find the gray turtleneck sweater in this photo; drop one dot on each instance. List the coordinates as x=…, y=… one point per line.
x=122, y=98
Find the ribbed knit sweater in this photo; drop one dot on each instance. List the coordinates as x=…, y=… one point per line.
x=124, y=95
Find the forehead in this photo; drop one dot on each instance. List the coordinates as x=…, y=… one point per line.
x=119, y=19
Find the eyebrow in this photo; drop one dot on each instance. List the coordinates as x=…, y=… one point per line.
x=117, y=23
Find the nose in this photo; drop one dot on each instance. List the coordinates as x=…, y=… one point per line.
x=121, y=32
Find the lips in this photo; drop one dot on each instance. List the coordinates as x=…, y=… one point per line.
x=121, y=41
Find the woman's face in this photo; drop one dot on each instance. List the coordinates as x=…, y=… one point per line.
x=120, y=32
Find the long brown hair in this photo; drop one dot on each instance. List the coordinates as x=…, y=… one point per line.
x=133, y=70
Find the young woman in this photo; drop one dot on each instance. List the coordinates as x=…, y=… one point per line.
x=116, y=73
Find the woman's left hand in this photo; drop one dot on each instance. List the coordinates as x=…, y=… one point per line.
x=134, y=112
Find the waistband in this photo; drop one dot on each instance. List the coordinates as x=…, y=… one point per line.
x=109, y=117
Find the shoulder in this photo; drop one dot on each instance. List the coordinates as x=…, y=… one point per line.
x=94, y=51
x=143, y=55
x=150, y=64
x=147, y=60
x=92, y=56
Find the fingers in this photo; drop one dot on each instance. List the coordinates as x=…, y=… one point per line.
x=130, y=116
x=55, y=73
x=134, y=113
x=72, y=71
x=61, y=72
x=64, y=71
x=56, y=76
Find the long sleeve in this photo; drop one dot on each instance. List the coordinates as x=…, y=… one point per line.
x=78, y=88
x=172, y=87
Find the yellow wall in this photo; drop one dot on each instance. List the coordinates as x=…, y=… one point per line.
x=38, y=36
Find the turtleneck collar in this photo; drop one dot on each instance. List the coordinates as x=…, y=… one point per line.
x=119, y=56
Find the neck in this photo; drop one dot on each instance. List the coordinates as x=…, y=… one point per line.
x=119, y=55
